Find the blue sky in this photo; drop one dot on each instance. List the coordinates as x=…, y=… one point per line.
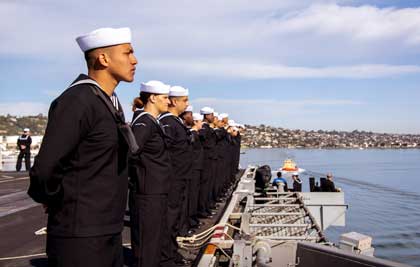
x=323, y=64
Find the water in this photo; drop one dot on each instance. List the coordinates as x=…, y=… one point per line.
x=382, y=188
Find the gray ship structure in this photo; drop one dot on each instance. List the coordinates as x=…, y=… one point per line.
x=281, y=229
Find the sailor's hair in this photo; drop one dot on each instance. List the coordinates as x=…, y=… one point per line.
x=140, y=101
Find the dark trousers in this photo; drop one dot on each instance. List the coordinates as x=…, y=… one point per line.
x=150, y=232
x=194, y=191
x=134, y=210
x=227, y=172
x=100, y=251
x=206, y=197
x=184, y=222
x=175, y=204
x=27, y=155
x=203, y=198
x=214, y=182
x=220, y=176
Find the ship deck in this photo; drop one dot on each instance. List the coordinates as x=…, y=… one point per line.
x=21, y=218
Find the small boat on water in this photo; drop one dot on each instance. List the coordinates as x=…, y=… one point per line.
x=290, y=166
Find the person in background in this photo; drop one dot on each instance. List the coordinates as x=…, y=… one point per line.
x=24, y=145
x=329, y=184
x=297, y=183
x=280, y=181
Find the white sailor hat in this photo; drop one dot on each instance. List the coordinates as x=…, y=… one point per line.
x=216, y=114
x=26, y=130
x=232, y=123
x=178, y=91
x=223, y=116
x=206, y=110
x=189, y=109
x=155, y=87
x=104, y=37
x=197, y=117
x=295, y=174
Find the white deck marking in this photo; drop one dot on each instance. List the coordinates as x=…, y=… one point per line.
x=14, y=179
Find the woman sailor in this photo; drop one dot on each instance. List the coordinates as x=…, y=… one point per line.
x=149, y=175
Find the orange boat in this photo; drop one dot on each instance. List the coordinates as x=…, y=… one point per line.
x=289, y=166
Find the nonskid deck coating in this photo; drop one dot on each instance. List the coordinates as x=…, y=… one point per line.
x=22, y=218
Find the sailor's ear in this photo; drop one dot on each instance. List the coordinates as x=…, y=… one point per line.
x=153, y=98
x=103, y=59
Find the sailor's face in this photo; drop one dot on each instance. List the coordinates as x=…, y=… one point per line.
x=122, y=63
x=182, y=103
x=210, y=117
x=198, y=124
x=188, y=118
x=162, y=103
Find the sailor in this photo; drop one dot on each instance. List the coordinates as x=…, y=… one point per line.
x=24, y=145
x=187, y=116
x=206, y=200
x=238, y=139
x=180, y=150
x=215, y=181
x=297, y=183
x=80, y=173
x=235, y=142
x=221, y=145
x=227, y=152
x=196, y=184
x=150, y=170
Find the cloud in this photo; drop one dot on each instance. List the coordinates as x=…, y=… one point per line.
x=362, y=24
x=231, y=69
x=292, y=33
x=23, y=108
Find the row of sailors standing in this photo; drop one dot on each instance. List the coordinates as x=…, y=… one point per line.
x=184, y=165
x=80, y=173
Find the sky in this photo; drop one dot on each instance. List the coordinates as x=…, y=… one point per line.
x=322, y=64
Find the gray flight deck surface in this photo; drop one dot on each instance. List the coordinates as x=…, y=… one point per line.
x=20, y=218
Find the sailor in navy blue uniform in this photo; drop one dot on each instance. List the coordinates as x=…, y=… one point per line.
x=197, y=170
x=223, y=145
x=235, y=145
x=238, y=129
x=206, y=201
x=180, y=149
x=80, y=173
x=187, y=117
x=24, y=145
x=193, y=184
x=150, y=171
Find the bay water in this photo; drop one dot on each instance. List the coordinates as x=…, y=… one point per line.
x=382, y=189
